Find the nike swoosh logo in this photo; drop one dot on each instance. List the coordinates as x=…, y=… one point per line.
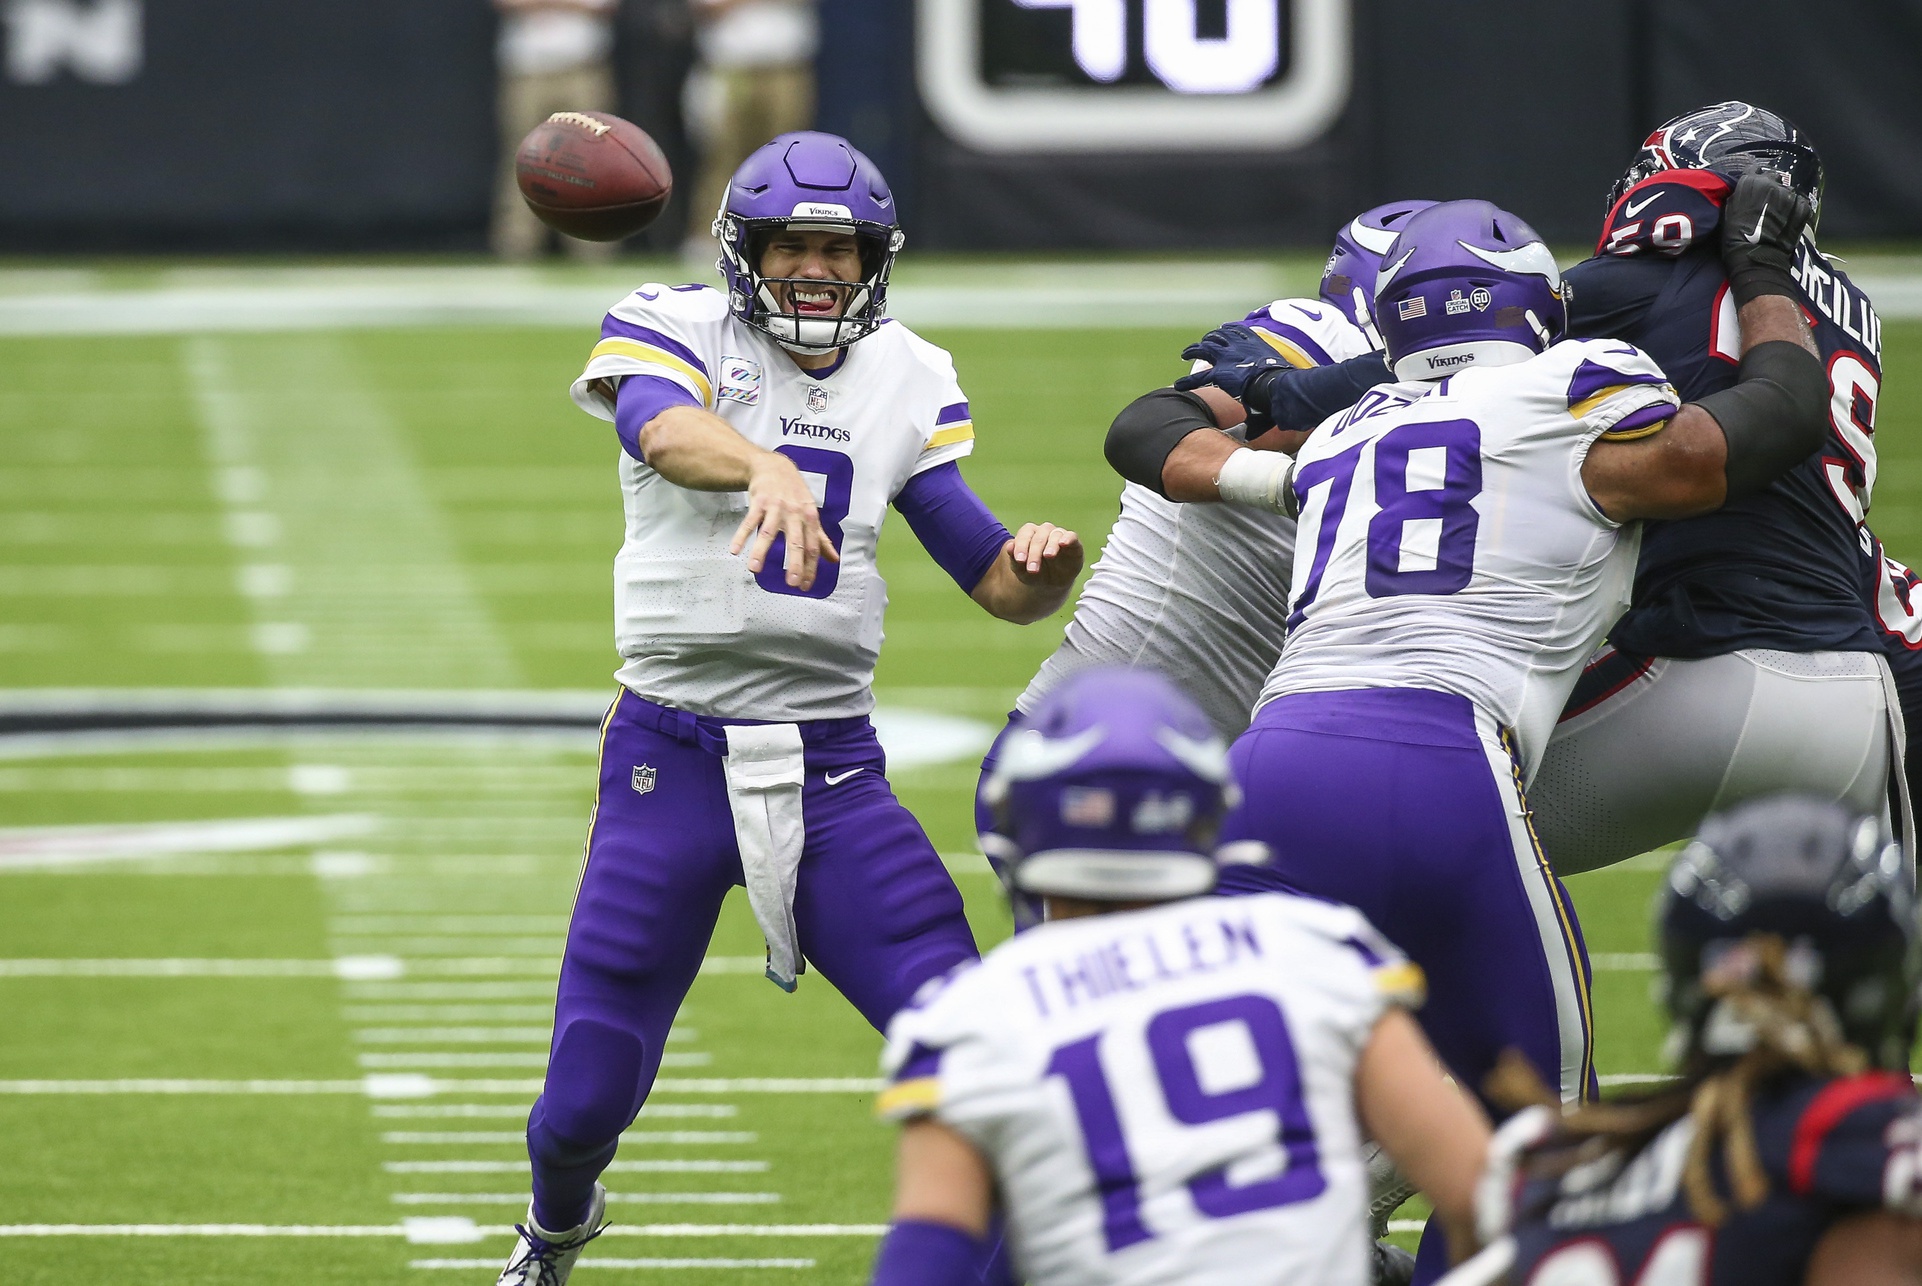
x=833, y=780
x=1755, y=237
x=1633, y=208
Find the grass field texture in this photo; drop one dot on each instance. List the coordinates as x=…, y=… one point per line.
x=309, y=1060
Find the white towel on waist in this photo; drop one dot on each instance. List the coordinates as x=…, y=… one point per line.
x=765, y=768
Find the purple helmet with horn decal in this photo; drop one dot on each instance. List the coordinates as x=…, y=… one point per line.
x=1466, y=284
x=1111, y=790
x=1348, y=278
x=807, y=180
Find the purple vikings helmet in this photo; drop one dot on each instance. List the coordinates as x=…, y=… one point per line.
x=1731, y=138
x=1111, y=790
x=807, y=180
x=1348, y=279
x=1466, y=284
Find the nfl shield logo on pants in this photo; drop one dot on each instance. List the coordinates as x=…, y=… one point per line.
x=643, y=779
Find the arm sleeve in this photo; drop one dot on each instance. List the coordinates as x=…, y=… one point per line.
x=952, y=523
x=641, y=398
x=918, y=1253
x=1300, y=400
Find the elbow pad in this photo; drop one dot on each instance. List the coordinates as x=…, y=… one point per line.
x=1775, y=417
x=1150, y=427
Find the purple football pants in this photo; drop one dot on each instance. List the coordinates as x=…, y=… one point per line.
x=1407, y=805
x=875, y=911
x=1395, y=801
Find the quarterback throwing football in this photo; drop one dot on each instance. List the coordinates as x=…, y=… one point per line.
x=765, y=431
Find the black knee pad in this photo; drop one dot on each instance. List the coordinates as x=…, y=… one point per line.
x=593, y=1087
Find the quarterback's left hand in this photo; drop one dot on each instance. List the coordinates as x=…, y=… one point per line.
x=1235, y=354
x=1044, y=554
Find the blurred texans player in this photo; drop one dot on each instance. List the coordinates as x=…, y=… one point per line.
x=765, y=430
x=1202, y=591
x=1789, y=1153
x=1156, y=1088
x=1466, y=538
x=1748, y=660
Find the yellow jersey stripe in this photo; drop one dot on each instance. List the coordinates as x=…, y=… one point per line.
x=1290, y=353
x=1588, y=404
x=909, y=1098
x=949, y=434
x=1403, y=982
x=634, y=348
x=1630, y=435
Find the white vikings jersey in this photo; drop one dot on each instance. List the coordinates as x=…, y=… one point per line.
x=1447, y=541
x=1199, y=592
x=1164, y=1096
x=698, y=630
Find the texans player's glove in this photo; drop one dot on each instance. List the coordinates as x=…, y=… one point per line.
x=1236, y=357
x=1762, y=221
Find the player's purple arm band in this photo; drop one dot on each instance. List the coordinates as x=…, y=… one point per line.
x=917, y=1253
x=952, y=524
x=640, y=399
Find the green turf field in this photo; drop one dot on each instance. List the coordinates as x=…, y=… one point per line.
x=310, y=1060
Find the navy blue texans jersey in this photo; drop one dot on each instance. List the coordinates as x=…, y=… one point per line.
x=1830, y=1149
x=1784, y=569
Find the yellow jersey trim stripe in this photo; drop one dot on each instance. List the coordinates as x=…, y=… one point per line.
x=1291, y=353
x=1588, y=404
x=1631, y=435
x=908, y=1098
x=1584, y=984
x=949, y=434
x=634, y=348
x=1403, y=982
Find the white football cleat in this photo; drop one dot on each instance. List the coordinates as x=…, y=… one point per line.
x=543, y=1258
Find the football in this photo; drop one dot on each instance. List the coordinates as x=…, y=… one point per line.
x=592, y=175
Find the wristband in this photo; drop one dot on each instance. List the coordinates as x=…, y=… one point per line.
x=1753, y=280
x=1258, y=479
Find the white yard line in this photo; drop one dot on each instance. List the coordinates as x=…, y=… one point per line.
x=454, y=1035
x=39, y=847
x=321, y=485
x=614, y=1198
x=663, y=1264
x=656, y=1111
x=613, y=1167
x=1624, y=961
x=425, y=1230
x=771, y=1085
x=404, y=1085
x=365, y=968
x=468, y=1137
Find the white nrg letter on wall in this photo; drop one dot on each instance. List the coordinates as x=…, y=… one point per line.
x=98, y=40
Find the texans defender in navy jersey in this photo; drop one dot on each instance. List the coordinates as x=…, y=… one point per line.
x=1789, y=1151
x=1752, y=657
